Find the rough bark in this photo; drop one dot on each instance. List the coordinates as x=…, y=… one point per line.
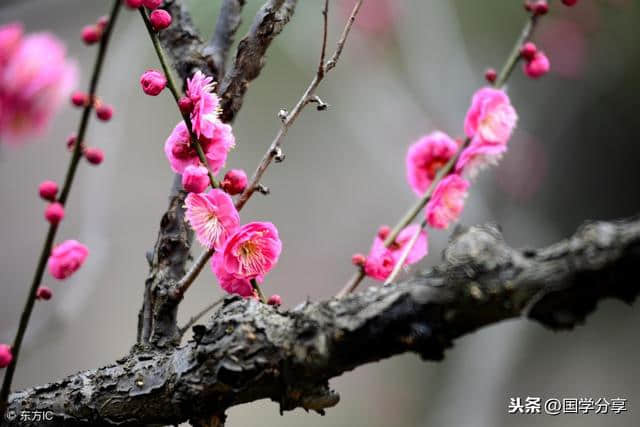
x=228, y=22
x=250, y=55
x=249, y=351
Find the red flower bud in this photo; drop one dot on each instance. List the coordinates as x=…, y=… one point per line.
x=94, y=155
x=358, y=260
x=275, y=300
x=104, y=112
x=79, y=99
x=54, y=213
x=235, y=181
x=91, y=34
x=48, y=190
x=160, y=19
x=490, y=75
x=44, y=293
x=185, y=104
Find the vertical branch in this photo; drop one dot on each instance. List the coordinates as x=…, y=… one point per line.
x=66, y=188
x=228, y=22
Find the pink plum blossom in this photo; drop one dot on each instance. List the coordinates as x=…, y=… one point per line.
x=252, y=251
x=35, y=77
x=67, y=258
x=228, y=282
x=195, y=179
x=381, y=260
x=6, y=356
x=491, y=117
x=425, y=157
x=212, y=216
x=205, y=104
x=478, y=156
x=447, y=201
x=10, y=38
x=181, y=154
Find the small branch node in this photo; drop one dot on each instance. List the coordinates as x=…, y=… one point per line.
x=263, y=189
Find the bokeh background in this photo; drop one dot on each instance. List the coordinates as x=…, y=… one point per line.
x=410, y=67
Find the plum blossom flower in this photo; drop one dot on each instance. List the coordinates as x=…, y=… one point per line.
x=205, y=104
x=67, y=258
x=181, y=154
x=252, y=251
x=381, y=260
x=478, y=156
x=447, y=201
x=10, y=38
x=491, y=116
x=228, y=282
x=35, y=76
x=6, y=356
x=212, y=216
x=425, y=157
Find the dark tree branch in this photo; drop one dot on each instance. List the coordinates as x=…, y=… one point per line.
x=250, y=351
x=249, y=60
x=228, y=22
x=157, y=321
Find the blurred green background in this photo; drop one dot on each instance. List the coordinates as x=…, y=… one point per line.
x=410, y=67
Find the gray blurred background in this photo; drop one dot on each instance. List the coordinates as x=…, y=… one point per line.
x=404, y=73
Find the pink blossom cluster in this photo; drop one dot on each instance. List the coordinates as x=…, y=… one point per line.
x=35, y=76
x=488, y=125
x=242, y=253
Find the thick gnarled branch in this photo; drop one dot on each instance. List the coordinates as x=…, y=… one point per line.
x=249, y=60
x=250, y=351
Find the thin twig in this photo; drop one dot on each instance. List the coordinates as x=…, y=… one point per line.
x=176, y=95
x=66, y=188
x=506, y=71
x=405, y=254
x=275, y=147
x=198, y=316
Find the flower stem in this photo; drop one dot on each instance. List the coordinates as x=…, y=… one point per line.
x=505, y=72
x=66, y=188
x=173, y=88
x=256, y=287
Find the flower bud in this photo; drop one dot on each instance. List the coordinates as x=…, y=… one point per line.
x=235, y=181
x=160, y=19
x=528, y=51
x=185, y=104
x=358, y=260
x=44, y=293
x=104, y=112
x=383, y=232
x=5, y=355
x=94, y=155
x=152, y=4
x=71, y=142
x=195, y=179
x=48, y=190
x=102, y=23
x=569, y=2
x=274, y=300
x=538, y=66
x=79, y=99
x=540, y=7
x=54, y=213
x=153, y=82
x=90, y=34
x=490, y=75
